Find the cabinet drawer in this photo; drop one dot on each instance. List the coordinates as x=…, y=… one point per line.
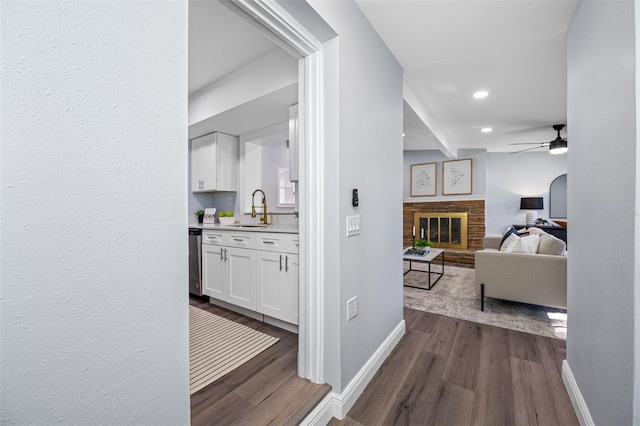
x=212, y=237
x=239, y=239
x=283, y=243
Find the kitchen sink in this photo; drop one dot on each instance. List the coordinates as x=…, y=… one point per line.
x=249, y=225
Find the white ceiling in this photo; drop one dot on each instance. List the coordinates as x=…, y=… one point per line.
x=514, y=49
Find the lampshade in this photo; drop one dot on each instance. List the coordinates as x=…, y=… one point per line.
x=558, y=146
x=531, y=203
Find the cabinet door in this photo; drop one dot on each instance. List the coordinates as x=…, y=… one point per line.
x=241, y=268
x=203, y=163
x=212, y=271
x=277, y=275
x=291, y=281
x=270, y=267
x=227, y=167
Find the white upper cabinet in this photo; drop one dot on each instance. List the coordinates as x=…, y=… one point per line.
x=214, y=163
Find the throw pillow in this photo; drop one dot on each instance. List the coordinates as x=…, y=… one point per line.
x=509, y=241
x=528, y=244
x=510, y=231
x=552, y=245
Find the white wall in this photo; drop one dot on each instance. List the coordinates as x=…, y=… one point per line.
x=510, y=177
x=93, y=248
x=603, y=207
x=479, y=178
x=363, y=150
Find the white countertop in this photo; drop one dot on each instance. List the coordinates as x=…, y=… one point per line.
x=282, y=229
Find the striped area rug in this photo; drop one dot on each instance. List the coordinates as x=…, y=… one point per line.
x=218, y=345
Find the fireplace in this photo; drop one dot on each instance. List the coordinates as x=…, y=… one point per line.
x=444, y=230
x=428, y=211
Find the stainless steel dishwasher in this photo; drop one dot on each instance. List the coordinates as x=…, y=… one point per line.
x=195, y=261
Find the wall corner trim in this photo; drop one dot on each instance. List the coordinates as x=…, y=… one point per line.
x=338, y=405
x=578, y=402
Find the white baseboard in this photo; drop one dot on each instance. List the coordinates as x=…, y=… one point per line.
x=338, y=405
x=578, y=402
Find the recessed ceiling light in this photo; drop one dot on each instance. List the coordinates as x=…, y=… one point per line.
x=481, y=94
x=486, y=130
x=403, y=135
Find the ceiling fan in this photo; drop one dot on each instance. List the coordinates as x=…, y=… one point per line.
x=556, y=146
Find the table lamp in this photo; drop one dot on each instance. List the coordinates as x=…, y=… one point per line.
x=531, y=204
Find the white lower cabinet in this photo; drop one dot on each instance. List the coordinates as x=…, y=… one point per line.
x=212, y=270
x=240, y=265
x=257, y=271
x=228, y=273
x=278, y=285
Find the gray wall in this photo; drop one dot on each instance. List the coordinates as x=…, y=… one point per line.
x=363, y=150
x=479, y=181
x=499, y=178
x=510, y=177
x=93, y=248
x=603, y=209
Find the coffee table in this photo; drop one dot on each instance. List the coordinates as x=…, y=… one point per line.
x=427, y=258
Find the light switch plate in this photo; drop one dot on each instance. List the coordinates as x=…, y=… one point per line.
x=352, y=307
x=353, y=225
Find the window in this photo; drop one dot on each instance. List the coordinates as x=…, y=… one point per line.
x=286, y=189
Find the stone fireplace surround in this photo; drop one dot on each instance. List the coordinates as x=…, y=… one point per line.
x=475, y=225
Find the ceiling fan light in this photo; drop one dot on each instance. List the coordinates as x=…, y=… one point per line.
x=558, y=147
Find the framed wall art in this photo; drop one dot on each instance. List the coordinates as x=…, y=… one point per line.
x=423, y=179
x=457, y=177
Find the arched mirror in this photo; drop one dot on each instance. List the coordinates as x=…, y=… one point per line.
x=558, y=198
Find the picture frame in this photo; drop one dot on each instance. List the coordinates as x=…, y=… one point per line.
x=457, y=177
x=209, y=215
x=423, y=179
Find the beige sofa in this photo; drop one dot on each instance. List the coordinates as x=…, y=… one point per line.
x=539, y=279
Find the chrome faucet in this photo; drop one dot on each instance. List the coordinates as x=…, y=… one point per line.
x=263, y=216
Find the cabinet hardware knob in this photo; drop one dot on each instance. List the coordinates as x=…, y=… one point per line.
x=281, y=262
x=286, y=264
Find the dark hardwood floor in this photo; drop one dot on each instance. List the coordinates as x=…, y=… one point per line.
x=444, y=371
x=264, y=390
x=447, y=371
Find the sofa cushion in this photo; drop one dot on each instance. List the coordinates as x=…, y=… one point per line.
x=528, y=244
x=552, y=245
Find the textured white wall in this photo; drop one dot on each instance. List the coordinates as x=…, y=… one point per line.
x=93, y=244
x=603, y=208
x=367, y=155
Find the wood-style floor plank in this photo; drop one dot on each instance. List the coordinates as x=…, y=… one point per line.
x=464, y=359
x=264, y=389
x=493, y=402
x=389, y=380
x=466, y=374
x=414, y=399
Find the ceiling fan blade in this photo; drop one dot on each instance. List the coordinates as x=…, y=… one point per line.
x=530, y=143
x=528, y=149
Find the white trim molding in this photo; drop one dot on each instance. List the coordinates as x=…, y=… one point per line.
x=578, y=402
x=338, y=405
x=276, y=23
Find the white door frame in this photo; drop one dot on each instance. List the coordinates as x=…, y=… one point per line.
x=279, y=26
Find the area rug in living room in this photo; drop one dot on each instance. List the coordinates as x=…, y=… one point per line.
x=455, y=296
x=218, y=345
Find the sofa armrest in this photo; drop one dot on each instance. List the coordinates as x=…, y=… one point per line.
x=538, y=279
x=492, y=241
